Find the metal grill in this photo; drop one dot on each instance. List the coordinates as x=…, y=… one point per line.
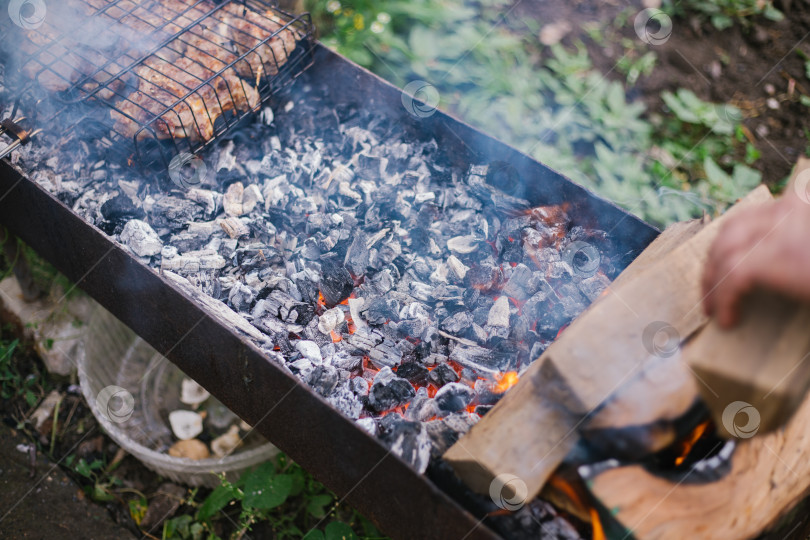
x=173, y=75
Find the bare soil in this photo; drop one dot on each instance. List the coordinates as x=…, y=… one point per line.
x=754, y=66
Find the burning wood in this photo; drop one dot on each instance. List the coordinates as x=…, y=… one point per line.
x=583, y=375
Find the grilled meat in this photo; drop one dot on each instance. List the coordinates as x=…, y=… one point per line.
x=179, y=99
x=178, y=91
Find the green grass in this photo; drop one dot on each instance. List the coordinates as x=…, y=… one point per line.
x=551, y=103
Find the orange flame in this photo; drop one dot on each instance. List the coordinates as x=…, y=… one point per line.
x=506, y=381
x=687, y=444
x=580, y=500
x=596, y=524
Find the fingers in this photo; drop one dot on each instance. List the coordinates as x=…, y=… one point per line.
x=733, y=260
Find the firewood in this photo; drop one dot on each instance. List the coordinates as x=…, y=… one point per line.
x=532, y=429
x=761, y=362
x=769, y=475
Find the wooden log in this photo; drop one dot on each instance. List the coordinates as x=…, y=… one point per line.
x=769, y=475
x=761, y=362
x=533, y=428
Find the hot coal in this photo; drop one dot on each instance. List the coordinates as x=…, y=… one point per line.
x=443, y=374
x=453, y=397
x=355, y=246
x=389, y=391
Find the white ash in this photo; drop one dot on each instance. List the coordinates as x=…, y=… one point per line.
x=141, y=238
x=331, y=223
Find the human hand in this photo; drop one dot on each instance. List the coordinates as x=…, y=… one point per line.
x=766, y=246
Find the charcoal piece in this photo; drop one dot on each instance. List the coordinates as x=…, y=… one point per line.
x=323, y=379
x=117, y=212
x=343, y=360
x=241, y=297
x=389, y=391
x=470, y=297
x=309, y=350
x=141, y=238
x=482, y=277
x=519, y=328
x=414, y=328
x=478, y=334
x=173, y=212
x=303, y=368
x=368, y=424
x=481, y=410
x=344, y=400
x=380, y=350
x=498, y=315
x=336, y=283
x=330, y=320
x=447, y=293
x=411, y=442
x=479, y=359
x=442, y=375
x=358, y=257
x=464, y=245
x=538, y=348
x=311, y=333
x=458, y=323
x=420, y=291
x=422, y=407
x=385, y=280
x=185, y=241
x=359, y=386
x=445, y=432
x=413, y=372
x=594, y=286
x=512, y=252
x=310, y=250
x=572, y=301
x=520, y=283
x=453, y=397
x=381, y=310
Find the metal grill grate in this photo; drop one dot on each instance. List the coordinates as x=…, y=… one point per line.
x=174, y=75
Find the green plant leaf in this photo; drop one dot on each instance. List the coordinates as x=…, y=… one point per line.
x=317, y=505
x=314, y=534
x=339, y=531
x=265, y=491
x=215, y=502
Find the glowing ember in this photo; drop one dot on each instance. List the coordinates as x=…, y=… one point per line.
x=336, y=338
x=506, y=381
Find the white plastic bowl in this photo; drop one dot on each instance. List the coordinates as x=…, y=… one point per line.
x=125, y=382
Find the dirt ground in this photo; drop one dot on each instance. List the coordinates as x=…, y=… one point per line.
x=754, y=68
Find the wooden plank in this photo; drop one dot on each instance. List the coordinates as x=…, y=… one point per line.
x=769, y=475
x=531, y=430
x=763, y=361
